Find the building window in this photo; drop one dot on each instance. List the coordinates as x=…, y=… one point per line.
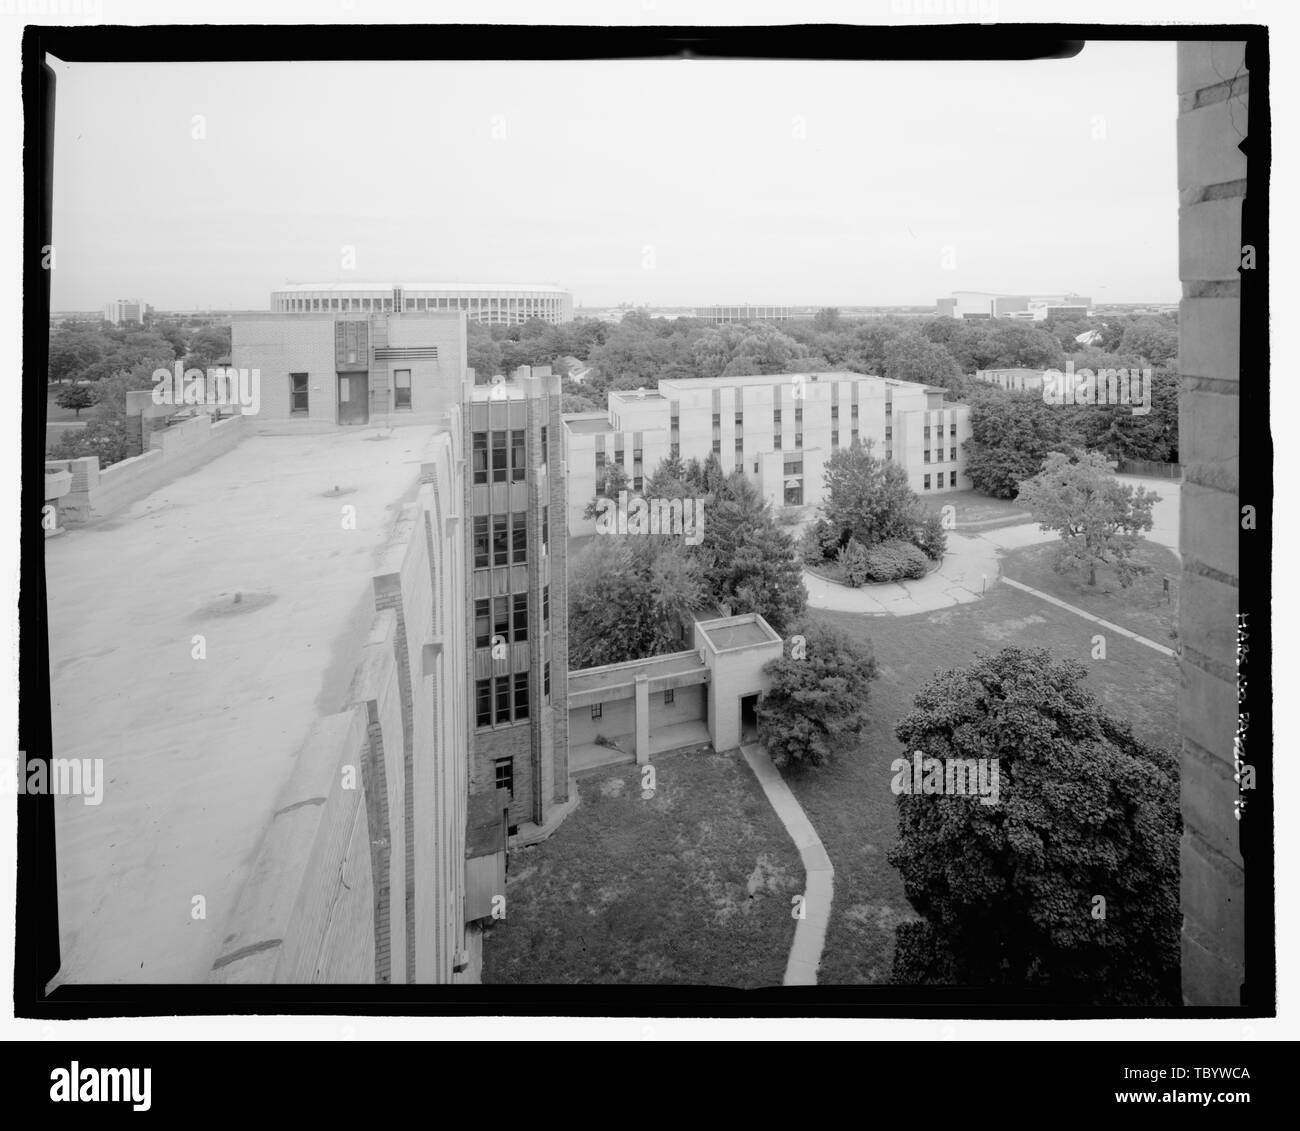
x=517, y=455
x=889, y=433
x=483, y=702
x=501, y=617
x=668, y=697
x=952, y=479
x=926, y=454
x=480, y=457
x=597, y=709
x=482, y=543
x=297, y=392
x=927, y=431
x=927, y=482
x=499, y=457
x=798, y=439
x=521, y=696
x=502, y=699
x=546, y=680
x=546, y=526
x=505, y=775
x=500, y=541
x=519, y=538
x=835, y=439
x=740, y=467
x=776, y=420
x=402, y=389
x=717, y=447
x=675, y=450
x=853, y=437
x=546, y=605
x=600, y=469
x=544, y=453
x=482, y=622
x=740, y=423
x=952, y=455
x=520, y=617
x=889, y=408
x=740, y=444
x=952, y=429
x=776, y=441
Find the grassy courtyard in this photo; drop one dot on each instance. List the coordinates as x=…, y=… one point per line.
x=694, y=885
x=850, y=802
x=690, y=887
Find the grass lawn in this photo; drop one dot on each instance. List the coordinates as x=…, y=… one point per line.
x=1142, y=608
x=850, y=802
x=690, y=887
x=974, y=507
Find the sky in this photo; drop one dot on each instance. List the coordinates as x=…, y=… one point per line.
x=661, y=182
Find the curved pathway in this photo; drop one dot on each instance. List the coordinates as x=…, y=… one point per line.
x=819, y=876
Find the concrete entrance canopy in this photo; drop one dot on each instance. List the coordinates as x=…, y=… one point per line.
x=735, y=650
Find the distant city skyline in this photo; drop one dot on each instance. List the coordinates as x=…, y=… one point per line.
x=684, y=183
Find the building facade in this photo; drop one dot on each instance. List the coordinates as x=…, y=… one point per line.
x=122, y=310
x=1013, y=380
x=778, y=430
x=504, y=304
x=978, y=305
x=747, y=313
x=322, y=370
x=517, y=618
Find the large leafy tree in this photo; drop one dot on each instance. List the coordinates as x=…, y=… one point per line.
x=629, y=597
x=913, y=357
x=817, y=704
x=1100, y=520
x=869, y=497
x=1011, y=436
x=1009, y=893
x=749, y=563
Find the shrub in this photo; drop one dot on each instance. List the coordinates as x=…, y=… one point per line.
x=930, y=537
x=819, y=542
x=853, y=561
x=894, y=561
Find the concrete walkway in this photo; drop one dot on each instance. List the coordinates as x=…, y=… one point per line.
x=819, y=876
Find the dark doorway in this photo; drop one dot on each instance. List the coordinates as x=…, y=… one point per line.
x=354, y=398
x=749, y=718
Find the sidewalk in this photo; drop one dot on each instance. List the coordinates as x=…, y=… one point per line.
x=819, y=882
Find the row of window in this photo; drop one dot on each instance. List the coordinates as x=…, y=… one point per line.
x=952, y=480
x=938, y=455
x=506, y=617
x=503, y=699
x=300, y=394
x=952, y=430
x=537, y=306
x=501, y=540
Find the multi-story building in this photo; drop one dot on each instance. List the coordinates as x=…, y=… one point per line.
x=747, y=313
x=778, y=430
x=124, y=310
x=977, y=305
x=518, y=614
x=492, y=303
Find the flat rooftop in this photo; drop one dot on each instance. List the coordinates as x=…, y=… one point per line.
x=249, y=552
x=616, y=675
x=463, y=288
x=737, y=632
x=588, y=425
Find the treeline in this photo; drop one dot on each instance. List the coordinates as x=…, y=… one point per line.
x=640, y=351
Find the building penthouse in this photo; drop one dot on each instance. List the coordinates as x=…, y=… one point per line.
x=779, y=430
x=747, y=313
x=504, y=304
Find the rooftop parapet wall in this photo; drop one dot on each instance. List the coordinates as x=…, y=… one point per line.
x=98, y=494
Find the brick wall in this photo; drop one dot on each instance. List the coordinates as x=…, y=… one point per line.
x=1212, y=93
